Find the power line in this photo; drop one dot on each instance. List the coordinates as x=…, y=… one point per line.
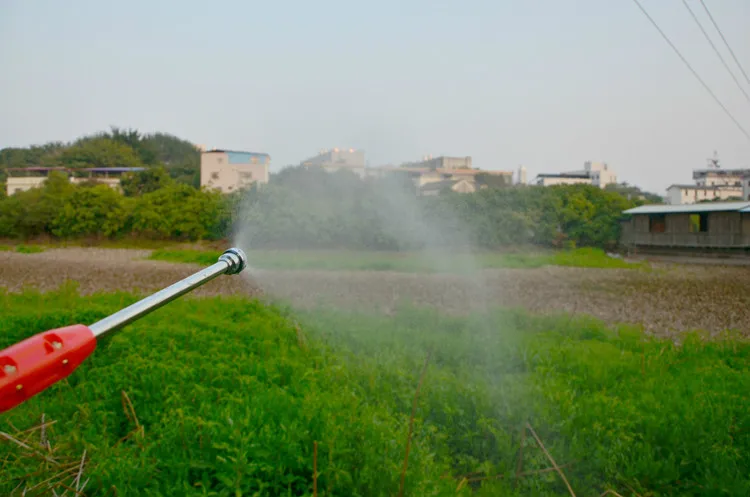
x=744, y=132
x=725, y=41
x=716, y=50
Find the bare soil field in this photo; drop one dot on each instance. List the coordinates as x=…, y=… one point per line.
x=668, y=298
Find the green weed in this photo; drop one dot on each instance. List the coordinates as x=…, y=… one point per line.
x=29, y=249
x=230, y=395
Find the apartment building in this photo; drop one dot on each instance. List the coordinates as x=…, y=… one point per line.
x=598, y=174
x=230, y=170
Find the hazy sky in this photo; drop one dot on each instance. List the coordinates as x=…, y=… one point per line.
x=545, y=83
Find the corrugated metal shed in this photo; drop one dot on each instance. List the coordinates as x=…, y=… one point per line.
x=691, y=208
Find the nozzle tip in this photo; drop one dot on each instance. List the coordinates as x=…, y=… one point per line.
x=235, y=259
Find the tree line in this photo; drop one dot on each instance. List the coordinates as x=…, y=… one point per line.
x=303, y=208
x=299, y=208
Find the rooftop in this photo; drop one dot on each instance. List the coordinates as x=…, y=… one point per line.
x=564, y=175
x=691, y=208
x=225, y=151
x=706, y=187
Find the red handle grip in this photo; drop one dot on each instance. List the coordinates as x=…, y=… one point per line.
x=31, y=366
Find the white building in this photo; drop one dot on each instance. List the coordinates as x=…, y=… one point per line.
x=598, y=174
x=337, y=159
x=693, y=194
x=522, y=176
x=562, y=179
x=746, y=188
x=229, y=170
x=22, y=179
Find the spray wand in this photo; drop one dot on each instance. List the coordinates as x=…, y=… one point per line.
x=29, y=367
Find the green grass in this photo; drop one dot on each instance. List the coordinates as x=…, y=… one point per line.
x=231, y=395
x=404, y=261
x=22, y=249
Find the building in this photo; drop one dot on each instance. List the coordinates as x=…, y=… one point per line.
x=22, y=179
x=337, y=159
x=693, y=194
x=26, y=178
x=447, y=163
x=746, y=188
x=562, y=179
x=598, y=174
x=522, y=180
x=696, y=227
x=230, y=170
x=712, y=183
x=454, y=185
x=457, y=170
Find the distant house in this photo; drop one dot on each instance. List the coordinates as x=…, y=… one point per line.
x=562, y=179
x=22, y=179
x=230, y=170
x=692, y=194
x=598, y=174
x=454, y=185
x=706, y=226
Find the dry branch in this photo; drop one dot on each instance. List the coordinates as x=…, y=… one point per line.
x=551, y=460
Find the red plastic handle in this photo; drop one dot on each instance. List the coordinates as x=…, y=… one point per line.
x=31, y=366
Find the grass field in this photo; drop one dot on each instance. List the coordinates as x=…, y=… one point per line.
x=225, y=396
x=404, y=262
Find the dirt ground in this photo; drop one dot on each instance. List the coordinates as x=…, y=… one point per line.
x=668, y=298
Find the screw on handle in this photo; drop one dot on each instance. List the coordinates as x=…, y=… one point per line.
x=36, y=363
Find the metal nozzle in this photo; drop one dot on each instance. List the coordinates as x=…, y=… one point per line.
x=235, y=259
x=232, y=261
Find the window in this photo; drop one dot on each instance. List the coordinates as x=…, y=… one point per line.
x=657, y=223
x=214, y=175
x=698, y=223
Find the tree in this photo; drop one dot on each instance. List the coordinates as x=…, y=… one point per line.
x=97, y=211
x=146, y=181
x=99, y=152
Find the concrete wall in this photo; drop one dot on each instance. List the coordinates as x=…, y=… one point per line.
x=15, y=185
x=445, y=163
x=601, y=174
x=218, y=173
x=340, y=157
x=691, y=195
x=544, y=181
x=716, y=179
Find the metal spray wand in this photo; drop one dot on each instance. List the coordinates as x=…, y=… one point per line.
x=29, y=367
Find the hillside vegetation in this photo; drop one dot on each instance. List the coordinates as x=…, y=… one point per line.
x=299, y=209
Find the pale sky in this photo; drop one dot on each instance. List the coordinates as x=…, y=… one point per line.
x=544, y=83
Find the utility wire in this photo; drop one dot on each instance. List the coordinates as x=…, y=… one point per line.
x=744, y=132
x=725, y=41
x=716, y=50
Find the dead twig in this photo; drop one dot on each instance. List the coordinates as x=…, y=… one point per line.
x=77, y=481
x=551, y=459
x=23, y=445
x=411, y=423
x=315, y=468
x=519, y=466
